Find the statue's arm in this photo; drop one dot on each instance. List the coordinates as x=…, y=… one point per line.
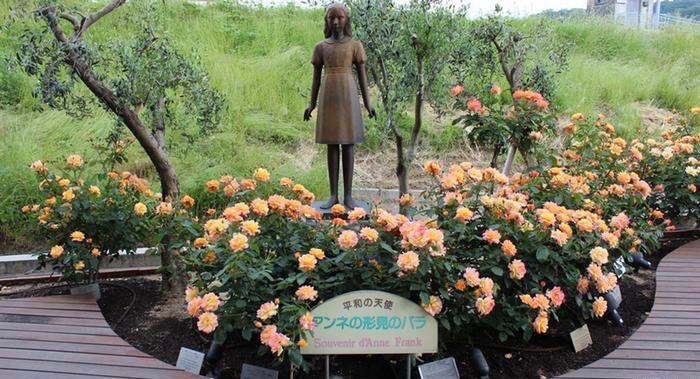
x=315, y=86
x=364, y=88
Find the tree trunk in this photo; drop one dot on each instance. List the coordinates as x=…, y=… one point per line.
x=173, y=279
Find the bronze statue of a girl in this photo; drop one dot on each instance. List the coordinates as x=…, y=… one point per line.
x=339, y=119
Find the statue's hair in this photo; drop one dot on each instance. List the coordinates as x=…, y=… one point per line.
x=348, y=24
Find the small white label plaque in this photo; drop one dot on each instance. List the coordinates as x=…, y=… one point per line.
x=619, y=266
x=255, y=372
x=442, y=369
x=581, y=338
x=190, y=360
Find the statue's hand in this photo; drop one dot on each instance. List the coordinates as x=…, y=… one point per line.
x=372, y=112
x=307, y=113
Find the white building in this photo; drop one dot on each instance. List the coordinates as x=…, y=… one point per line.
x=637, y=13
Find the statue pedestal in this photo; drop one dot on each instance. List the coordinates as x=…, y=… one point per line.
x=326, y=213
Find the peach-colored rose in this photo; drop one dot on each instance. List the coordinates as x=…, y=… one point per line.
x=56, y=251
x=485, y=305
x=486, y=286
x=492, y=236
x=600, y=306
x=471, y=275
x=517, y=269
x=541, y=323
x=357, y=214
x=464, y=214
x=267, y=310
x=307, y=321
x=369, y=234
x=508, y=248
x=434, y=306
x=194, y=306
x=207, y=322
x=261, y=175
x=191, y=293
x=599, y=255
x=210, y=302
x=77, y=236
x=582, y=285
x=408, y=261
x=238, y=242
x=200, y=242
x=306, y=293
x=318, y=253
x=307, y=262
x=187, y=201
x=250, y=227
x=347, y=239
x=556, y=296
x=259, y=207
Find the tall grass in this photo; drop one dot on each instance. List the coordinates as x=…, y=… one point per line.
x=259, y=58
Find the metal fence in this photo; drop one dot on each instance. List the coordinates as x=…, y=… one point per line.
x=667, y=19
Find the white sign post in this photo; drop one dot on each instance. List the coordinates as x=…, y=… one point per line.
x=372, y=322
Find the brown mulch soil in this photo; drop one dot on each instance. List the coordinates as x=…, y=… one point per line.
x=160, y=327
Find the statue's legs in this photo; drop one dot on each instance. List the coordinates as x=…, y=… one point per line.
x=348, y=169
x=333, y=168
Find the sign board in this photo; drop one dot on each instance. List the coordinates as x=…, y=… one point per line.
x=190, y=360
x=371, y=322
x=619, y=266
x=255, y=372
x=442, y=369
x=581, y=338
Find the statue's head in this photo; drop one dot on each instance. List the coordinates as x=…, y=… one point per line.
x=337, y=19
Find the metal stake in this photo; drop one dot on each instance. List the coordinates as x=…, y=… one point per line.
x=291, y=371
x=328, y=367
x=408, y=366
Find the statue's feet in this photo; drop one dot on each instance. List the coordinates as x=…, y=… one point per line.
x=350, y=203
x=333, y=200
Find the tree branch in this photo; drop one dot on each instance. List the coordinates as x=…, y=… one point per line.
x=93, y=18
x=73, y=20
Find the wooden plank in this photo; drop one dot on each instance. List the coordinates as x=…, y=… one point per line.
x=664, y=336
x=677, y=314
x=661, y=345
x=91, y=331
x=607, y=373
x=53, y=320
x=50, y=312
x=674, y=307
x=72, y=347
x=653, y=320
x=647, y=363
x=680, y=301
x=24, y=374
x=62, y=337
x=105, y=273
x=676, y=355
x=79, y=299
x=88, y=369
x=94, y=331
x=679, y=295
x=85, y=307
x=694, y=329
x=57, y=356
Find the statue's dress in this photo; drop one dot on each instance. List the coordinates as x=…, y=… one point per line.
x=339, y=119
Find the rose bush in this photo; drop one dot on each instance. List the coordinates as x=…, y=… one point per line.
x=264, y=258
x=90, y=217
x=672, y=166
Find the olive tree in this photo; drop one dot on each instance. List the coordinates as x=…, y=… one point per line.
x=407, y=47
x=528, y=57
x=140, y=78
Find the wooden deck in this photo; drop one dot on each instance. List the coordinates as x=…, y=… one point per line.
x=62, y=337
x=667, y=345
